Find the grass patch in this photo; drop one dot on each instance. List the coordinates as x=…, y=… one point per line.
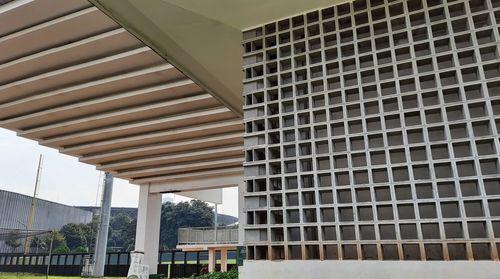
x=36, y=276
x=233, y=274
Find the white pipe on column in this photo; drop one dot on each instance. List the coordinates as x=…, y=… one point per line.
x=102, y=233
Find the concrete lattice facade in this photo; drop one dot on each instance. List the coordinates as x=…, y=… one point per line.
x=372, y=132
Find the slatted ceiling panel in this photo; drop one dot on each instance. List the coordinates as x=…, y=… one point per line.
x=142, y=106
x=73, y=27
x=134, y=153
x=35, y=13
x=125, y=116
x=86, y=50
x=92, y=90
x=175, y=157
x=202, y=174
x=151, y=172
x=102, y=87
x=169, y=135
x=77, y=74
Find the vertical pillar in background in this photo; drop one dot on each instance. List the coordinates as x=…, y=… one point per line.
x=102, y=233
x=211, y=260
x=216, y=222
x=242, y=217
x=223, y=260
x=147, y=237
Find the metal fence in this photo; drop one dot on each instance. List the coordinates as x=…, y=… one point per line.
x=207, y=235
x=172, y=263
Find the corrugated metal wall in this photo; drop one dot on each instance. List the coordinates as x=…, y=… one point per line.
x=15, y=209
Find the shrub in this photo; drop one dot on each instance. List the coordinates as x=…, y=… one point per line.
x=233, y=274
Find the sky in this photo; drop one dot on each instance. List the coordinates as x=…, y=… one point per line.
x=66, y=180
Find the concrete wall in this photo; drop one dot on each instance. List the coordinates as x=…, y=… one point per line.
x=369, y=270
x=372, y=132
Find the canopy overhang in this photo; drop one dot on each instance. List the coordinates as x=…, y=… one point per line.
x=73, y=79
x=147, y=90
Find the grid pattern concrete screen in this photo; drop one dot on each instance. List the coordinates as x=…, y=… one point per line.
x=372, y=132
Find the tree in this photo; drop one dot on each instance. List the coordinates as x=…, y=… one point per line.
x=75, y=235
x=121, y=232
x=194, y=213
x=13, y=240
x=61, y=249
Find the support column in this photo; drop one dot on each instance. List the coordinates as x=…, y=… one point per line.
x=102, y=233
x=147, y=236
x=242, y=215
x=223, y=260
x=211, y=260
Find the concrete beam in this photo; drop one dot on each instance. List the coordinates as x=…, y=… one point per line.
x=179, y=157
x=46, y=35
x=110, y=65
x=83, y=91
x=205, y=181
x=114, y=41
x=204, y=174
x=181, y=167
x=53, y=138
x=96, y=105
x=131, y=114
x=103, y=158
x=160, y=136
x=208, y=195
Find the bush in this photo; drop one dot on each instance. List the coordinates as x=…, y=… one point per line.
x=61, y=249
x=233, y=274
x=80, y=249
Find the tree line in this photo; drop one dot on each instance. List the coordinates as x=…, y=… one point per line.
x=80, y=238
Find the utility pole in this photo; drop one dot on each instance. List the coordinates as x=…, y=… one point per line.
x=216, y=221
x=102, y=232
x=31, y=217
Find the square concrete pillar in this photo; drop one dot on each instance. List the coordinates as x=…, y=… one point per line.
x=147, y=236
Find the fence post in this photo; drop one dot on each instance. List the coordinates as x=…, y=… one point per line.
x=185, y=265
x=198, y=263
x=50, y=255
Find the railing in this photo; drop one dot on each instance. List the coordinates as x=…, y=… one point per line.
x=207, y=235
x=171, y=263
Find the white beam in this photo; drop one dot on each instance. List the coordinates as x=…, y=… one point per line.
x=114, y=131
x=140, y=57
x=182, y=145
x=195, y=155
x=64, y=95
x=179, y=133
x=94, y=104
x=191, y=102
x=181, y=167
x=209, y=195
x=203, y=182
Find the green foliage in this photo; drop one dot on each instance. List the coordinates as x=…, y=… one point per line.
x=13, y=240
x=233, y=274
x=122, y=232
x=80, y=249
x=194, y=213
x=79, y=238
x=75, y=235
x=61, y=249
x=57, y=241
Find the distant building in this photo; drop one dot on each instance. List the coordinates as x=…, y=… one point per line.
x=15, y=209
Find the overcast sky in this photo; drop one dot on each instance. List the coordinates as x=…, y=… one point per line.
x=64, y=179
